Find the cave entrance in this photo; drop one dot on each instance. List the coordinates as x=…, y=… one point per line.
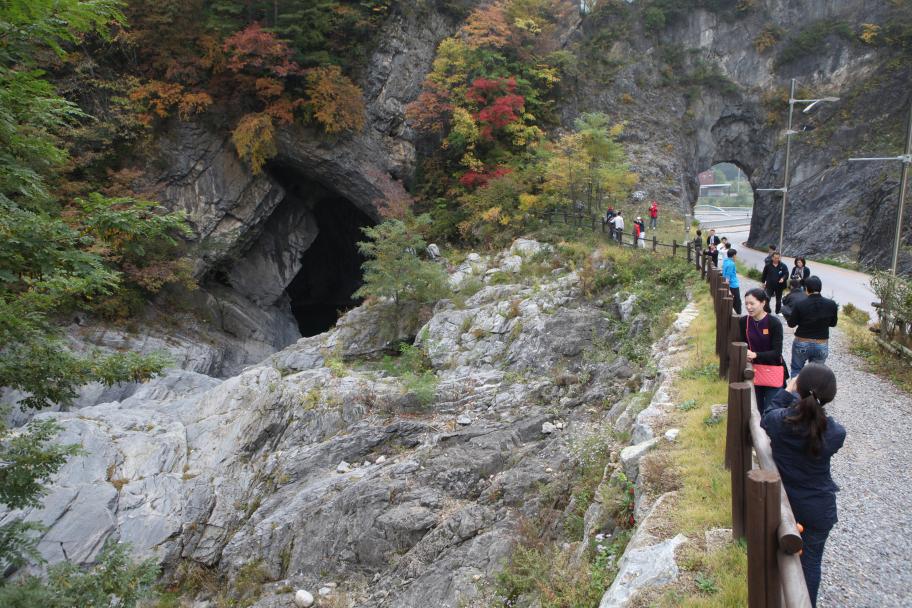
x=330, y=271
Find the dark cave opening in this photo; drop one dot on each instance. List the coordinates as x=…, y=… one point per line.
x=331, y=267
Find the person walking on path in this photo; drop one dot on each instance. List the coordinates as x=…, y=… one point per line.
x=617, y=222
x=769, y=255
x=763, y=334
x=641, y=235
x=814, y=316
x=800, y=270
x=730, y=272
x=653, y=215
x=712, y=239
x=774, y=276
x=804, y=439
x=796, y=294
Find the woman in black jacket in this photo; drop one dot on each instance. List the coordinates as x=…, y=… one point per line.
x=804, y=439
x=800, y=270
x=763, y=334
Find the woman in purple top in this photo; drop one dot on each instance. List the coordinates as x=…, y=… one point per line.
x=804, y=439
x=763, y=334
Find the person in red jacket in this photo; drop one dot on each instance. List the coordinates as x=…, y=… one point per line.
x=653, y=215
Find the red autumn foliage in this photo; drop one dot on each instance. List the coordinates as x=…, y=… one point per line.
x=256, y=50
x=483, y=90
x=430, y=111
x=474, y=179
x=498, y=103
x=504, y=111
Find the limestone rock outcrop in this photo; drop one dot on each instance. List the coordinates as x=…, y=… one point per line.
x=316, y=468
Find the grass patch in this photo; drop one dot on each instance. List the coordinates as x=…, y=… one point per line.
x=713, y=580
x=877, y=360
x=839, y=263
x=748, y=271
x=700, y=450
x=414, y=370
x=718, y=578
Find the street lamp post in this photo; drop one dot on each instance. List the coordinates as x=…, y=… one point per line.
x=906, y=160
x=788, y=149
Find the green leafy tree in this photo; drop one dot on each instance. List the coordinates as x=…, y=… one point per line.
x=56, y=255
x=394, y=269
x=115, y=581
x=26, y=464
x=28, y=459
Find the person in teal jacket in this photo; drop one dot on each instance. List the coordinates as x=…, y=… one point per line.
x=729, y=271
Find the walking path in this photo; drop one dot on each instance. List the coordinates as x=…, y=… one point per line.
x=866, y=563
x=840, y=284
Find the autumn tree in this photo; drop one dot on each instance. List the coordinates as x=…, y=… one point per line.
x=53, y=252
x=334, y=101
x=588, y=164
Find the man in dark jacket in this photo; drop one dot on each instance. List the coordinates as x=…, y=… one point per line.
x=774, y=276
x=712, y=239
x=793, y=297
x=814, y=316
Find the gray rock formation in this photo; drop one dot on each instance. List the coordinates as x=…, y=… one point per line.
x=701, y=91
x=255, y=468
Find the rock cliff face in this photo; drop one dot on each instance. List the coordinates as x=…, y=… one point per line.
x=262, y=446
x=317, y=473
x=700, y=91
x=697, y=91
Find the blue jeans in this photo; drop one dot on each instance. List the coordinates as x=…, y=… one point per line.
x=807, y=352
x=653, y=221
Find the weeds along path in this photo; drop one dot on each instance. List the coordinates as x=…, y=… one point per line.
x=867, y=557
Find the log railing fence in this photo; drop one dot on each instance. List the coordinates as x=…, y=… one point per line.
x=624, y=239
x=761, y=512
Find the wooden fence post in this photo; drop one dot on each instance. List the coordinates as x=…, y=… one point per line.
x=763, y=513
x=740, y=452
x=725, y=326
x=655, y=243
x=737, y=356
x=674, y=248
x=689, y=247
x=737, y=359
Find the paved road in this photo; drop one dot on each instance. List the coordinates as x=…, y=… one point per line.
x=840, y=284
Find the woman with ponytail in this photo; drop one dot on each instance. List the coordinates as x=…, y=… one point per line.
x=804, y=438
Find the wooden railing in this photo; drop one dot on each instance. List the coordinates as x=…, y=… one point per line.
x=628, y=239
x=761, y=512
